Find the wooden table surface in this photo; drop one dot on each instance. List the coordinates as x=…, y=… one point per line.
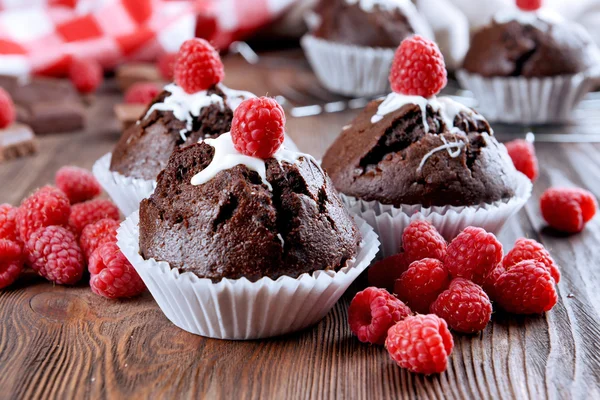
x=66, y=342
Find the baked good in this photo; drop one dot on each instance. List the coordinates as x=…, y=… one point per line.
x=530, y=45
x=175, y=119
x=435, y=153
x=237, y=226
x=381, y=23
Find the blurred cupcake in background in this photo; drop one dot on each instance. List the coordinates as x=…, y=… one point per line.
x=351, y=43
x=529, y=65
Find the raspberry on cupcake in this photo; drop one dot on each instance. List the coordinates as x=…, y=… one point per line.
x=249, y=236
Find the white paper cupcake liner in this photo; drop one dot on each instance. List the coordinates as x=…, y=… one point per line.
x=389, y=222
x=126, y=192
x=349, y=70
x=237, y=308
x=529, y=100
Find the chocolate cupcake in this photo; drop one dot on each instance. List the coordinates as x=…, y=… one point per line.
x=530, y=67
x=236, y=246
x=409, y=156
x=351, y=42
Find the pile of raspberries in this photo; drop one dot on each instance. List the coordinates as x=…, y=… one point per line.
x=439, y=286
x=59, y=230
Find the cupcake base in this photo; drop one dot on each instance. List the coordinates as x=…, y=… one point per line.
x=237, y=308
x=389, y=222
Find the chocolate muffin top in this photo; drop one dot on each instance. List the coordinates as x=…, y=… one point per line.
x=410, y=150
x=174, y=120
x=236, y=224
x=530, y=45
x=371, y=23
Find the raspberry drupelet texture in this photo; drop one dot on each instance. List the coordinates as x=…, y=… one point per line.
x=89, y=212
x=46, y=206
x=383, y=274
x=11, y=262
x=166, y=65
x=421, y=284
x=8, y=223
x=489, y=281
x=96, y=234
x=526, y=288
x=529, y=249
x=112, y=275
x=421, y=344
x=142, y=93
x=7, y=109
x=86, y=75
x=523, y=157
x=53, y=252
x=464, y=306
x=418, y=68
x=372, y=312
x=568, y=209
x=198, y=66
x=421, y=240
x=473, y=254
x=77, y=183
x=258, y=127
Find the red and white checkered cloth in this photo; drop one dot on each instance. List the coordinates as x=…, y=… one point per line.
x=42, y=36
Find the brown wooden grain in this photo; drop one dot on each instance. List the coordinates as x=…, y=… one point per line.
x=66, y=342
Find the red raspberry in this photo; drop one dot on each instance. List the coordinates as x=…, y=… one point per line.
x=166, y=65
x=529, y=249
x=96, y=234
x=258, y=127
x=198, y=66
x=421, y=284
x=473, y=254
x=87, y=213
x=418, y=68
x=7, y=109
x=383, y=274
x=86, y=75
x=529, y=5
x=421, y=344
x=568, y=209
x=489, y=281
x=77, y=183
x=112, y=274
x=47, y=206
x=142, y=93
x=54, y=253
x=464, y=306
x=526, y=288
x=421, y=240
x=11, y=262
x=372, y=312
x=8, y=223
x=523, y=157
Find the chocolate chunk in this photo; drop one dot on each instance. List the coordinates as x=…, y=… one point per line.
x=16, y=141
x=128, y=114
x=47, y=105
x=131, y=73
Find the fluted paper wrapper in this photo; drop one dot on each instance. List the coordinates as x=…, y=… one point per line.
x=529, y=100
x=125, y=191
x=389, y=222
x=347, y=69
x=237, y=308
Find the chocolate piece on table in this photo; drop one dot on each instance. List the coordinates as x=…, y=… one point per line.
x=16, y=141
x=128, y=114
x=47, y=105
x=128, y=74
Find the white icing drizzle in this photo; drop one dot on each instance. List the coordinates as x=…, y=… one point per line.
x=457, y=146
x=185, y=106
x=226, y=157
x=445, y=106
x=406, y=7
x=538, y=19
